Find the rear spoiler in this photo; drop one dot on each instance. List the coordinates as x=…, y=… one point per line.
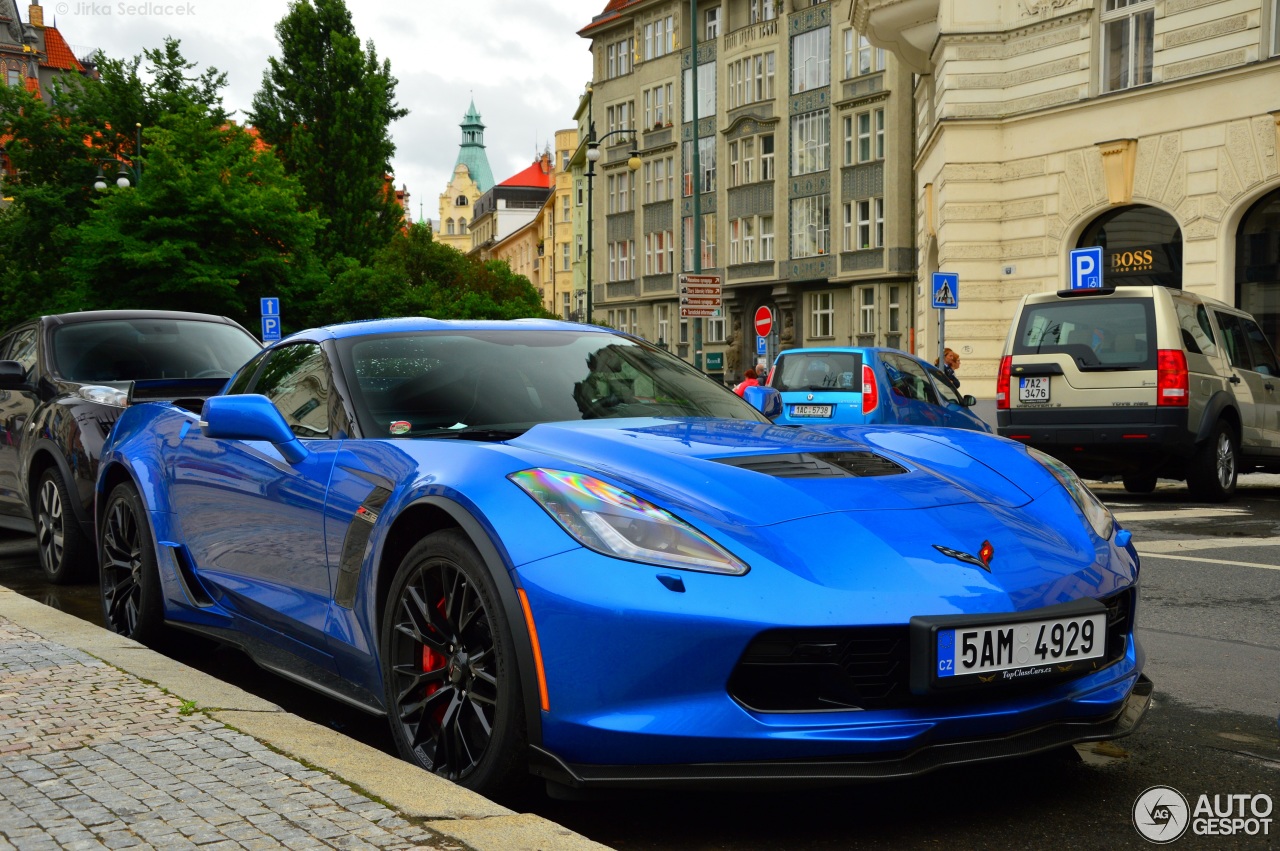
x=1082, y=292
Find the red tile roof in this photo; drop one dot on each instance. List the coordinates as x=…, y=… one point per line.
x=608, y=16
x=58, y=52
x=33, y=86
x=540, y=175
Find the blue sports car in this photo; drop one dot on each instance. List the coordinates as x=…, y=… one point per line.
x=547, y=548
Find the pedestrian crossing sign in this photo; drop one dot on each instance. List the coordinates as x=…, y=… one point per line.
x=946, y=290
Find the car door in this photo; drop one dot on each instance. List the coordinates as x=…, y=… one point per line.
x=1268, y=380
x=254, y=524
x=16, y=407
x=1245, y=383
x=952, y=411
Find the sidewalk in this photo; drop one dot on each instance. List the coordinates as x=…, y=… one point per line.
x=106, y=744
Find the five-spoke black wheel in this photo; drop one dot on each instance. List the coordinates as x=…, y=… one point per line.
x=64, y=549
x=132, y=601
x=453, y=693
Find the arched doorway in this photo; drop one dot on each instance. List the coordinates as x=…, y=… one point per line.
x=1140, y=245
x=1258, y=264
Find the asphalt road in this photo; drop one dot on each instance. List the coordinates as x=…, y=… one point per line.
x=1208, y=619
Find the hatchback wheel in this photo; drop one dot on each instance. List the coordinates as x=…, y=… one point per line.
x=452, y=689
x=1212, y=474
x=132, y=600
x=64, y=550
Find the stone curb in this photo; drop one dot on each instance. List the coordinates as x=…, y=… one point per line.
x=444, y=807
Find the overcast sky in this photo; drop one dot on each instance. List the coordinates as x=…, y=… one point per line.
x=523, y=62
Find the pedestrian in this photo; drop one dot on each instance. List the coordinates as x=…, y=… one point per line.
x=950, y=362
x=748, y=380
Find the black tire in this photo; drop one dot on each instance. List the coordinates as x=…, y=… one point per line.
x=65, y=552
x=132, y=599
x=1211, y=476
x=449, y=669
x=1140, y=482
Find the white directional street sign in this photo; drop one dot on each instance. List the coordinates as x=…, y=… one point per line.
x=697, y=312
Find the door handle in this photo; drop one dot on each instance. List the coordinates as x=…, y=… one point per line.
x=1269, y=386
x=1235, y=379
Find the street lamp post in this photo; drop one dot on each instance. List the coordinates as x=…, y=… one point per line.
x=697, y=175
x=593, y=155
x=125, y=172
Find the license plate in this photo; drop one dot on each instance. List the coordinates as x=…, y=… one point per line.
x=1033, y=389
x=1009, y=652
x=810, y=410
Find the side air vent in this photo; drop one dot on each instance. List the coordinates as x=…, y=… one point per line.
x=818, y=465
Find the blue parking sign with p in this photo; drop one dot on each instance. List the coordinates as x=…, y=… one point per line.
x=270, y=328
x=1086, y=268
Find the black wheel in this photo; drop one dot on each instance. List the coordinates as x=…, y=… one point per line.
x=64, y=550
x=449, y=670
x=1211, y=475
x=132, y=601
x=1139, y=482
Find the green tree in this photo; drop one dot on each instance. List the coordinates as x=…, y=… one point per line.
x=327, y=104
x=213, y=226
x=414, y=275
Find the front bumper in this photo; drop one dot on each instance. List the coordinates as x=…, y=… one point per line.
x=816, y=772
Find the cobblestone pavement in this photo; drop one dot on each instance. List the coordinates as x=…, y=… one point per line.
x=92, y=757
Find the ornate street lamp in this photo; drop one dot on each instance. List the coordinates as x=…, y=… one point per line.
x=125, y=172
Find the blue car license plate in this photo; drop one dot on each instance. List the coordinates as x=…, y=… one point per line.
x=810, y=410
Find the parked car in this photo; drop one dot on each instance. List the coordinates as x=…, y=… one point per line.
x=867, y=385
x=544, y=547
x=1144, y=383
x=64, y=380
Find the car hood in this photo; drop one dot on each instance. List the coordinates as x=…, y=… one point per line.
x=754, y=474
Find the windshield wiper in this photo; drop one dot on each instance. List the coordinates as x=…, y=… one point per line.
x=478, y=433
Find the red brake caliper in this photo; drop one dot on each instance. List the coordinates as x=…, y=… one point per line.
x=433, y=661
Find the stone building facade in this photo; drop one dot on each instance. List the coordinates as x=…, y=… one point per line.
x=1149, y=127
x=804, y=182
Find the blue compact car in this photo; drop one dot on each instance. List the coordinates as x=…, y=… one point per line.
x=875, y=386
x=551, y=549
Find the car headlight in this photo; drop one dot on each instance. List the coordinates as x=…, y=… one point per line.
x=104, y=395
x=611, y=521
x=1098, y=515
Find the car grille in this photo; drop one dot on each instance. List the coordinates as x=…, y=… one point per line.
x=866, y=667
x=818, y=465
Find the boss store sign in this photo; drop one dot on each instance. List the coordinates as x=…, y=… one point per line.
x=1161, y=261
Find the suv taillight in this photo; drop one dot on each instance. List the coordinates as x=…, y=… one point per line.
x=1172, y=380
x=870, y=390
x=1002, y=382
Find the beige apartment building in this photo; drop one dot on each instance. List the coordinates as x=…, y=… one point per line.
x=1147, y=127
x=804, y=180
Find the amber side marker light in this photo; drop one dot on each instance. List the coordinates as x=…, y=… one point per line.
x=537, y=650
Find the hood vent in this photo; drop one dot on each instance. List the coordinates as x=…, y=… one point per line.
x=818, y=465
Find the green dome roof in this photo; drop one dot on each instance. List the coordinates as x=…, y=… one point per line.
x=471, y=152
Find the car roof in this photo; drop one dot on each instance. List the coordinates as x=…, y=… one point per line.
x=107, y=315
x=859, y=350
x=407, y=324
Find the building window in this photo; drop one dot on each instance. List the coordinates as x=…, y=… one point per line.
x=659, y=37
x=1128, y=43
x=864, y=137
x=462, y=225
x=766, y=237
x=864, y=224
x=620, y=257
x=657, y=106
x=811, y=60
x=894, y=316
x=619, y=58
x=659, y=179
x=621, y=116
x=715, y=330
x=706, y=164
x=621, y=191
x=766, y=157
x=708, y=242
x=663, y=313
x=448, y=227
x=810, y=225
x=659, y=253
x=751, y=79
x=869, y=58
x=713, y=23
x=565, y=307
x=762, y=10
x=564, y=209
x=460, y=201
x=706, y=91
x=811, y=142
x=746, y=239
x=867, y=311
x=565, y=257
x=684, y=330
x=822, y=314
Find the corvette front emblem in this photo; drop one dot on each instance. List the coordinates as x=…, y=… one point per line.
x=983, y=559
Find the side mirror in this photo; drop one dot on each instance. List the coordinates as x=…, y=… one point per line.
x=766, y=400
x=968, y=400
x=250, y=417
x=12, y=375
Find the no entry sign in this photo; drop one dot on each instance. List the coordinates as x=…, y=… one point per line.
x=764, y=321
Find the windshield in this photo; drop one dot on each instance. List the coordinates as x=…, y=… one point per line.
x=477, y=382
x=149, y=348
x=1108, y=333
x=818, y=371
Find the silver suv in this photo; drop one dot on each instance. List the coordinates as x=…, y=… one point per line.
x=1144, y=383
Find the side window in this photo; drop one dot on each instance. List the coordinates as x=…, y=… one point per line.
x=296, y=380
x=947, y=394
x=4, y=346
x=1194, y=328
x=23, y=350
x=240, y=384
x=1233, y=340
x=1264, y=358
x=911, y=381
